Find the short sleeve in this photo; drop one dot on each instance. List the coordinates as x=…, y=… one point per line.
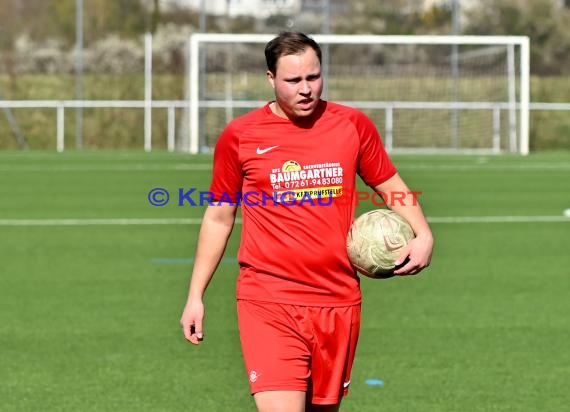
x=227, y=176
x=374, y=164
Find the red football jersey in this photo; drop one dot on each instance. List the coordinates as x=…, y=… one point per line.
x=296, y=186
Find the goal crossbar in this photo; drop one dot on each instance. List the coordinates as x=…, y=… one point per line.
x=523, y=42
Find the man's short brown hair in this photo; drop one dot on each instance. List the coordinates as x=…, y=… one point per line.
x=288, y=43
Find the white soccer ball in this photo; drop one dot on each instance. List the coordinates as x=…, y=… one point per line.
x=375, y=240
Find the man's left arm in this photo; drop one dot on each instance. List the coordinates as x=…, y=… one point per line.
x=403, y=201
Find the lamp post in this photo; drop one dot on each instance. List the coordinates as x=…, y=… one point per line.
x=79, y=72
x=326, y=29
x=455, y=73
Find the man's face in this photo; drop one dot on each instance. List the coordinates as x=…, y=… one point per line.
x=297, y=84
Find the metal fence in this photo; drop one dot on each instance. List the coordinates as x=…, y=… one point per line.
x=170, y=106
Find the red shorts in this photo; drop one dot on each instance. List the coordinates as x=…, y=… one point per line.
x=299, y=348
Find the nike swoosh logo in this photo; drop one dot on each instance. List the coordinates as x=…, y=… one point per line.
x=345, y=384
x=261, y=151
x=391, y=244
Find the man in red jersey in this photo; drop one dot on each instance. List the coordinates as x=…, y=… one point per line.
x=292, y=165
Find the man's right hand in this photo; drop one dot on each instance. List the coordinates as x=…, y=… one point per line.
x=191, y=321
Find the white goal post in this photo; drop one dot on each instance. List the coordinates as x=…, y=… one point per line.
x=426, y=94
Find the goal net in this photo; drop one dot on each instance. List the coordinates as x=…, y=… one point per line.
x=431, y=94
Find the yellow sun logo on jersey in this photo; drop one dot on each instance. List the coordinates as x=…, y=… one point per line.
x=291, y=166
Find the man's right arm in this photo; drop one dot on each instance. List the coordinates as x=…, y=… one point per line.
x=215, y=231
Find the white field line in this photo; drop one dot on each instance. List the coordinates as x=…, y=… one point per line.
x=498, y=219
x=141, y=167
x=484, y=166
x=98, y=222
x=190, y=221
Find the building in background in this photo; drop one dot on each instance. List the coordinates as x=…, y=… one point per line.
x=467, y=4
x=234, y=8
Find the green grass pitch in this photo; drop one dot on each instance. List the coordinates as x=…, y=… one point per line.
x=89, y=309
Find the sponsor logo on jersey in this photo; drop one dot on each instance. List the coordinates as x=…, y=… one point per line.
x=291, y=166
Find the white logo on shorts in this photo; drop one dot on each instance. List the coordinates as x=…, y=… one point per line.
x=345, y=385
x=253, y=375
